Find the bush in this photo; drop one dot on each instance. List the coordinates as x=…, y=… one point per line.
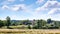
x=29, y=27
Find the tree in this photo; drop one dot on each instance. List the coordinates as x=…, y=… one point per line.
x=8, y=21
x=26, y=22
x=29, y=27
x=1, y=23
x=39, y=24
x=4, y=22
x=34, y=22
x=56, y=24
x=43, y=22
x=49, y=20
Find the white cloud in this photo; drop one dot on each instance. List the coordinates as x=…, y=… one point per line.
x=52, y=0
x=5, y=7
x=53, y=11
x=54, y=4
x=49, y=5
x=19, y=7
x=6, y=2
x=11, y=0
x=15, y=8
x=39, y=1
x=40, y=9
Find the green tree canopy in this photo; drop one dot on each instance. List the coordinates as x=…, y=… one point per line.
x=8, y=21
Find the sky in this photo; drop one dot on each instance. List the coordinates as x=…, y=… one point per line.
x=30, y=9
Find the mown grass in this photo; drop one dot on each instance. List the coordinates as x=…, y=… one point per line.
x=19, y=27
x=16, y=27
x=29, y=31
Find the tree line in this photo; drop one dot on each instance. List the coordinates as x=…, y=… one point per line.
x=36, y=24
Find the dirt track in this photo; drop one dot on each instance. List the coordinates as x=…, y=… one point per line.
x=30, y=31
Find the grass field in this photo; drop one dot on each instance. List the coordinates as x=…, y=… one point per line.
x=29, y=31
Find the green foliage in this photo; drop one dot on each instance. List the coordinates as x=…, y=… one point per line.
x=52, y=26
x=8, y=21
x=39, y=25
x=36, y=24
x=4, y=22
x=35, y=27
x=29, y=27
x=25, y=22
x=49, y=20
x=1, y=23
